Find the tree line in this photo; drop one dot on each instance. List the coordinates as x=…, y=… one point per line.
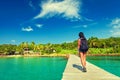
x=96, y=45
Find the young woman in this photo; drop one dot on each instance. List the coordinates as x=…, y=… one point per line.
x=82, y=52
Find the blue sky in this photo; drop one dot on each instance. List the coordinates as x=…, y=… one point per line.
x=57, y=21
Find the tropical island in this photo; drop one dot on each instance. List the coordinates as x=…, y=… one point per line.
x=108, y=46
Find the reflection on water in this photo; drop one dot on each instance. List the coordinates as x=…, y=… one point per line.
x=108, y=63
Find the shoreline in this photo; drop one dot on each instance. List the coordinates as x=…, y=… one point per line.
x=113, y=54
x=36, y=55
x=56, y=55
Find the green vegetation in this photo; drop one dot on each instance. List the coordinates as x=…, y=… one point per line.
x=96, y=46
x=104, y=46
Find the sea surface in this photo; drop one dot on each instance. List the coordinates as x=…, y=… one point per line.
x=32, y=68
x=108, y=63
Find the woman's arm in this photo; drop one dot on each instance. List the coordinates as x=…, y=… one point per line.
x=78, y=44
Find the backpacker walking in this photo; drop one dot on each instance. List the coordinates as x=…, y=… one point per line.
x=82, y=48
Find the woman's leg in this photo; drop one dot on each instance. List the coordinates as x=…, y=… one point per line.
x=84, y=62
x=82, y=58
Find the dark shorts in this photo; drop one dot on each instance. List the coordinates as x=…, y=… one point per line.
x=83, y=50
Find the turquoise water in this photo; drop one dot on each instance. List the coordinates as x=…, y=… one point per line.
x=32, y=68
x=108, y=63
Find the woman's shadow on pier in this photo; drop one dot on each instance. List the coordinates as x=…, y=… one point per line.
x=77, y=66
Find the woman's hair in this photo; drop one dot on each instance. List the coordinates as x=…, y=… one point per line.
x=81, y=35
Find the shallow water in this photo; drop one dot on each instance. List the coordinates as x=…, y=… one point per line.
x=108, y=63
x=32, y=68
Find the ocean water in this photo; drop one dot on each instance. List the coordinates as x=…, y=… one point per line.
x=32, y=68
x=108, y=63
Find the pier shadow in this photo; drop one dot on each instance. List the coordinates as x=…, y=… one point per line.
x=77, y=66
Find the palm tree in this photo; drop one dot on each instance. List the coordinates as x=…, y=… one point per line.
x=93, y=42
x=32, y=45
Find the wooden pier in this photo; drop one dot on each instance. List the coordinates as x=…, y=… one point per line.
x=73, y=71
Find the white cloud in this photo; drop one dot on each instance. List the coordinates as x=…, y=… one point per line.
x=39, y=25
x=13, y=41
x=115, y=24
x=81, y=26
x=85, y=26
x=69, y=9
x=31, y=5
x=88, y=19
x=115, y=21
x=68, y=41
x=28, y=29
x=115, y=32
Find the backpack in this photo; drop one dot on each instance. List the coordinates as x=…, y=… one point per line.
x=84, y=45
